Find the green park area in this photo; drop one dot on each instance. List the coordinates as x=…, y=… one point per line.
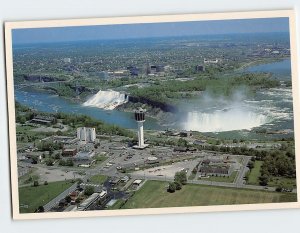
x=31, y=197
x=98, y=179
x=255, y=173
x=253, y=178
x=154, y=195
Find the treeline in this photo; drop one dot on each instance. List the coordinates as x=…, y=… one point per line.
x=173, y=89
x=263, y=80
x=23, y=113
x=277, y=164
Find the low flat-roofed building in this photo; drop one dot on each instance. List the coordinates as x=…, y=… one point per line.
x=125, y=179
x=185, y=133
x=137, y=182
x=115, y=181
x=180, y=149
x=69, y=152
x=43, y=120
x=224, y=170
x=87, y=202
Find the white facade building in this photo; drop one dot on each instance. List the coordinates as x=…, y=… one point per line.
x=86, y=134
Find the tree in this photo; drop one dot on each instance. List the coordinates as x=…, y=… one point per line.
x=89, y=190
x=68, y=199
x=263, y=180
x=35, y=183
x=279, y=188
x=69, y=163
x=46, y=182
x=182, y=142
x=172, y=187
x=57, y=156
x=180, y=177
x=250, y=165
x=177, y=185
x=49, y=162
x=40, y=209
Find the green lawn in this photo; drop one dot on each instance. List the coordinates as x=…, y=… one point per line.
x=154, y=195
x=29, y=177
x=255, y=173
x=227, y=179
x=100, y=158
x=98, y=179
x=40, y=195
x=277, y=181
x=24, y=129
x=119, y=203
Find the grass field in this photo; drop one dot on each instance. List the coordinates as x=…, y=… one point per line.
x=98, y=179
x=255, y=173
x=29, y=177
x=228, y=179
x=154, y=194
x=277, y=181
x=100, y=158
x=40, y=195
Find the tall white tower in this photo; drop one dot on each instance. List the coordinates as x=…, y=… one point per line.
x=139, y=116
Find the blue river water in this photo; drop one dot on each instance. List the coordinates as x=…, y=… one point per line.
x=279, y=68
x=46, y=102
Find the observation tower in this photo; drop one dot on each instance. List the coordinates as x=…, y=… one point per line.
x=139, y=116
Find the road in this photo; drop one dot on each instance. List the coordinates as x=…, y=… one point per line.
x=240, y=177
x=56, y=200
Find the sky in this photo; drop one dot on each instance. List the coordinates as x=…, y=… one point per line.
x=126, y=31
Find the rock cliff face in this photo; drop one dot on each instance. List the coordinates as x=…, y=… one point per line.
x=155, y=104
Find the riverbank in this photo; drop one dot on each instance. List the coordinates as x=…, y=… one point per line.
x=260, y=62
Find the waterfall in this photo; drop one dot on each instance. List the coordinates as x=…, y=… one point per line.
x=106, y=100
x=224, y=120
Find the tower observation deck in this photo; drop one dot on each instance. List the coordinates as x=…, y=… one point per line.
x=139, y=116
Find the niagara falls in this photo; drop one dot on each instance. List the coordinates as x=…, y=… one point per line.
x=224, y=120
x=107, y=100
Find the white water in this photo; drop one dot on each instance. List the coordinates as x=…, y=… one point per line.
x=224, y=120
x=106, y=100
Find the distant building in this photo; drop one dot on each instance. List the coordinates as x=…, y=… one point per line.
x=160, y=68
x=115, y=181
x=86, y=134
x=185, y=133
x=224, y=170
x=43, y=120
x=120, y=73
x=67, y=60
x=69, y=152
x=199, y=68
x=148, y=69
x=180, y=149
x=211, y=61
x=134, y=71
x=153, y=69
